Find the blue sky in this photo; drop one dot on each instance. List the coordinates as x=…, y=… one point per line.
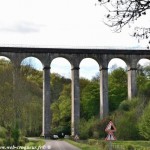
x=61, y=23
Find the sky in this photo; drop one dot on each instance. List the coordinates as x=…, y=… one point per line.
x=61, y=23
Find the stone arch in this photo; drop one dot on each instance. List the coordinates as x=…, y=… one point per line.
x=58, y=63
x=67, y=57
x=5, y=57
x=117, y=94
x=143, y=75
x=115, y=63
x=33, y=62
x=25, y=76
x=142, y=63
x=88, y=63
x=62, y=66
x=90, y=76
x=6, y=61
x=6, y=90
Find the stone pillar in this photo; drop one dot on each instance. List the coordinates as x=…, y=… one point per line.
x=75, y=116
x=46, y=102
x=104, y=108
x=132, y=84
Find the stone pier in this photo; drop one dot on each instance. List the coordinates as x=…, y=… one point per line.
x=75, y=115
x=132, y=85
x=103, y=92
x=46, y=102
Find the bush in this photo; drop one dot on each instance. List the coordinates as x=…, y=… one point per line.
x=126, y=125
x=101, y=127
x=1, y=142
x=9, y=141
x=125, y=106
x=103, y=144
x=130, y=147
x=22, y=142
x=16, y=135
x=92, y=142
x=3, y=132
x=144, y=123
x=26, y=140
x=95, y=134
x=84, y=129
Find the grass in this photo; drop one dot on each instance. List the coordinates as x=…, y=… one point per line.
x=117, y=145
x=84, y=146
x=136, y=144
x=34, y=144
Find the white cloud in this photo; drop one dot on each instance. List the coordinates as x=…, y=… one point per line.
x=20, y=27
x=64, y=22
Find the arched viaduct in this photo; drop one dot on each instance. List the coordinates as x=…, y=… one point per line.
x=75, y=56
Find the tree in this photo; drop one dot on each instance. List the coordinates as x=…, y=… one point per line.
x=143, y=80
x=126, y=119
x=57, y=82
x=117, y=88
x=61, y=111
x=90, y=100
x=144, y=123
x=123, y=12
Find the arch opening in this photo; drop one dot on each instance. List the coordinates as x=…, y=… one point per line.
x=116, y=63
x=61, y=96
x=7, y=112
x=143, y=77
x=89, y=89
x=61, y=66
x=89, y=68
x=143, y=67
x=117, y=83
x=29, y=91
x=32, y=62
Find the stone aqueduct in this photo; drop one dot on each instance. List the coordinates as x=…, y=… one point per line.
x=75, y=56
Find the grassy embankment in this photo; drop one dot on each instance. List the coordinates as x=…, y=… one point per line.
x=36, y=144
x=117, y=145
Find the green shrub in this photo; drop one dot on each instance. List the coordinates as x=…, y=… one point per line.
x=22, y=142
x=125, y=106
x=25, y=139
x=100, y=143
x=95, y=134
x=103, y=144
x=92, y=142
x=3, y=132
x=128, y=105
x=84, y=129
x=16, y=135
x=9, y=141
x=1, y=142
x=126, y=125
x=101, y=127
x=130, y=147
x=144, y=123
